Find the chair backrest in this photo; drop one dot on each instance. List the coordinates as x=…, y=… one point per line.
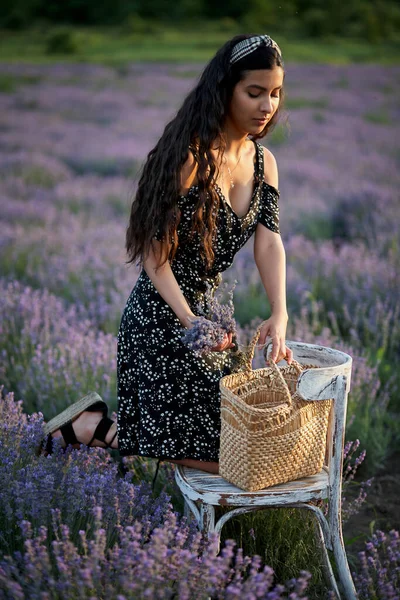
x=331, y=380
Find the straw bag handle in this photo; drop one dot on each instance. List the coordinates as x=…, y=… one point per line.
x=272, y=364
x=250, y=353
x=299, y=367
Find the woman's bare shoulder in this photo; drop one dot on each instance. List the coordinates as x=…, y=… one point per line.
x=188, y=173
x=270, y=168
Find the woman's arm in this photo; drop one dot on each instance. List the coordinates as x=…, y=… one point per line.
x=270, y=258
x=163, y=277
x=167, y=286
x=269, y=252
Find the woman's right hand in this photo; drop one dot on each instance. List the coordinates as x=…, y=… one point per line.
x=225, y=344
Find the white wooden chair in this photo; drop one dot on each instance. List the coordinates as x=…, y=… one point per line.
x=203, y=491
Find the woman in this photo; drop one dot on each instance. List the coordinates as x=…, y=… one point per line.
x=206, y=187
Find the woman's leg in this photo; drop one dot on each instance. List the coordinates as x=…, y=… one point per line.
x=84, y=427
x=86, y=423
x=203, y=465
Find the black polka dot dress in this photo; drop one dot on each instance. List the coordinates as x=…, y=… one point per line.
x=169, y=398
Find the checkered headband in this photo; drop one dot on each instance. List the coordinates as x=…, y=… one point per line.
x=248, y=46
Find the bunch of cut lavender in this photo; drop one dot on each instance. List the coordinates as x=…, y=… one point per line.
x=214, y=321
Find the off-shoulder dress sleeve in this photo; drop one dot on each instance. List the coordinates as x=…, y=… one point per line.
x=269, y=207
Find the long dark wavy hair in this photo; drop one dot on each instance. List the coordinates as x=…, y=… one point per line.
x=197, y=124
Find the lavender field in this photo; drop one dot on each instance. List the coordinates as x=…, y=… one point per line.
x=72, y=140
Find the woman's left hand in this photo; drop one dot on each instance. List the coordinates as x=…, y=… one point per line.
x=275, y=328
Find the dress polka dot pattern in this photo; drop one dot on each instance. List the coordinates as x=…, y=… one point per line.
x=169, y=398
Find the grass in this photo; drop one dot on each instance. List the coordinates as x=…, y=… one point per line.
x=379, y=118
x=319, y=118
x=295, y=103
x=286, y=541
x=284, y=538
x=342, y=83
x=37, y=176
x=9, y=83
x=104, y=167
x=186, y=43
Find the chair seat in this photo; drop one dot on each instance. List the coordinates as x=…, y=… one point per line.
x=215, y=490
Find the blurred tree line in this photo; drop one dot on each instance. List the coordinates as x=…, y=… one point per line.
x=373, y=20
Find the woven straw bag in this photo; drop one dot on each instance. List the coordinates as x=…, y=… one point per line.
x=269, y=433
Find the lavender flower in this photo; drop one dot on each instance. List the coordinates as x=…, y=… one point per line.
x=215, y=321
x=203, y=336
x=66, y=182
x=350, y=466
x=51, y=355
x=74, y=482
x=216, y=310
x=71, y=528
x=168, y=563
x=378, y=577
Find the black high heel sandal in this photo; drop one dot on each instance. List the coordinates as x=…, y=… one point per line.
x=64, y=422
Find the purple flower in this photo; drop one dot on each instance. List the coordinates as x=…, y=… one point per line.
x=215, y=321
x=169, y=562
x=378, y=576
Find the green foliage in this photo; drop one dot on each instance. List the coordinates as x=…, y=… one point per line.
x=285, y=540
x=380, y=118
x=170, y=11
x=106, y=167
x=342, y=83
x=39, y=177
x=219, y=10
x=375, y=427
x=314, y=226
x=17, y=14
x=89, y=12
x=249, y=303
x=355, y=19
x=35, y=175
x=319, y=117
x=315, y=22
x=267, y=15
x=135, y=24
x=228, y=25
x=375, y=21
x=62, y=41
x=278, y=135
x=186, y=42
x=9, y=82
x=295, y=103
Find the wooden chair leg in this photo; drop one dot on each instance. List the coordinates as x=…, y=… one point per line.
x=190, y=510
x=326, y=565
x=207, y=522
x=207, y=517
x=187, y=512
x=343, y=566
